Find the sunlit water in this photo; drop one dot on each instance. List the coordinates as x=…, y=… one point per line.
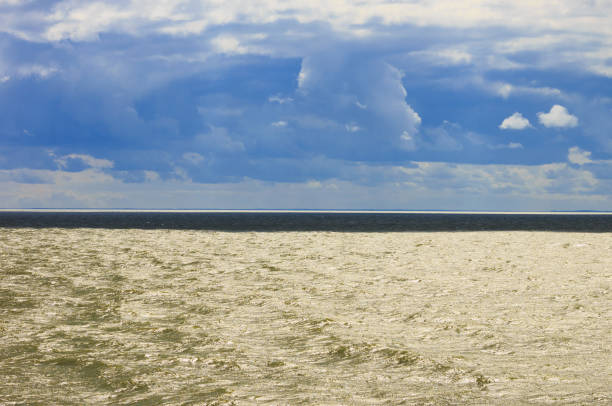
x=213, y=318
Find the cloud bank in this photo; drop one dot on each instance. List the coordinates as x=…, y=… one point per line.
x=242, y=99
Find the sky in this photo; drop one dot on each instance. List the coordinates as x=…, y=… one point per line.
x=294, y=104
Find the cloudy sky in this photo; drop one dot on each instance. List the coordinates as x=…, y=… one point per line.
x=363, y=104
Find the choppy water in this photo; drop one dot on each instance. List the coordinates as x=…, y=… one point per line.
x=124, y=316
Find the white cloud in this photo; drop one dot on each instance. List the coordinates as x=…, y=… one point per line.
x=89, y=160
x=279, y=99
x=416, y=119
x=433, y=185
x=185, y=28
x=577, y=32
x=505, y=90
x=71, y=20
x=82, y=20
x=314, y=184
x=193, y=157
x=558, y=116
x=407, y=141
x=515, y=122
x=352, y=127
x=578, y=156
x=444, y=57
x=454, y=56
x=4, y=78
x=342, y=80
x=58, y=177
x=506, y=179
x=36, y=70
x=303, y=75
x=228, y=44
x=280, y=123
x=238, y=44
x=501, y=62
x=151, y=176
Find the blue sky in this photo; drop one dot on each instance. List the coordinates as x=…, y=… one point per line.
x=416, y=104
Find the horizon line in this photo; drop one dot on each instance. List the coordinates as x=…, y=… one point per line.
x=323, y=211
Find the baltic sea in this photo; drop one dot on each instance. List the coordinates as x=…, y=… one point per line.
x=305, y=308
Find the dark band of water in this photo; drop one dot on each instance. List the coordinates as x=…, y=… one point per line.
x=352, y=222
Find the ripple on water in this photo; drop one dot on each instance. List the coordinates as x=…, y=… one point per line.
x=184, y=317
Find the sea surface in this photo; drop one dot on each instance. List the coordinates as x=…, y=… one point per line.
x=305, y=308
x=310, y=221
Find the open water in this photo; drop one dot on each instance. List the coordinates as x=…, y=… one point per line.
x=174, y=309
x=311, y=221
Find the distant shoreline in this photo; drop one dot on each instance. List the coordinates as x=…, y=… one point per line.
x=314, y=211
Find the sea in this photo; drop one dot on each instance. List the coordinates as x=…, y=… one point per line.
x=305, y=308
x=295, y=220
